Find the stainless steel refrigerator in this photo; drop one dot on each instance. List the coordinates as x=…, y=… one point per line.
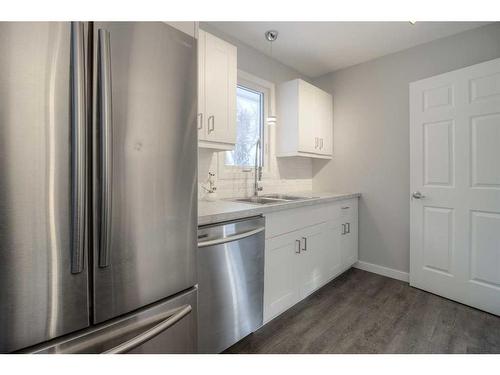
x=98, y=194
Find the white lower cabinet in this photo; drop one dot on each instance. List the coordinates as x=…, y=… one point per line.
x=281, y=285
x=316, y=250
x=349, y=233
x=311, y=272
x=333, y=262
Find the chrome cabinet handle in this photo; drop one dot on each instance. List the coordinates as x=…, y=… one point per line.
x=78, y=146
x=305, y=243
x=418, y=195
x=315, y=142
x=106, y=123
x=211, y=128
x=348, y=230
x=346, y=207
x=321, y=144
x=151, y=333
x=297, y=242
x=200, y=121
x=343, y=229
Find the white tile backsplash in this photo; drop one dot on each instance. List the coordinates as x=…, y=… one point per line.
x=289, y=175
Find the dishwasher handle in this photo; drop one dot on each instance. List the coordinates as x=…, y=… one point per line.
x=236, y=237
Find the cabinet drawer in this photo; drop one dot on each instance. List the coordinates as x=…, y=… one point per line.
x=348, y=209
x=286, y=221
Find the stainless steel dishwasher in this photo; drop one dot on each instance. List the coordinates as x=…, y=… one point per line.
x=230, y=282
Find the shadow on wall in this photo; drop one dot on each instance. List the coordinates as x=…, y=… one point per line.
x=318, y=166
x=294, y=168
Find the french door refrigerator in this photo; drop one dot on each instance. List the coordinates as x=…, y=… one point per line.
x=98, y=187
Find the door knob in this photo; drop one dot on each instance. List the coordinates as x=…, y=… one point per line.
x=418, y=195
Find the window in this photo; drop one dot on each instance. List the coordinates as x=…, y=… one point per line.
x=249, y=127
x=254, y=96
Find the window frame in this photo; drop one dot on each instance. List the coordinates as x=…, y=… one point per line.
x=267, y=138
x=261, y=93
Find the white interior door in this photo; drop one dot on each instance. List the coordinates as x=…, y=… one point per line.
x=455, y=166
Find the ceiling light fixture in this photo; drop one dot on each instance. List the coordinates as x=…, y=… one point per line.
x=271, y=36
x=412, y=22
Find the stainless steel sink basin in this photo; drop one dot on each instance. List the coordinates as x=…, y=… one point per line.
x=259, y=200
x=271, y=199
x=285, y=197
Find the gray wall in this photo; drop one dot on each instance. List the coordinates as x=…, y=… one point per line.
x=371, y=135
x=254, y=62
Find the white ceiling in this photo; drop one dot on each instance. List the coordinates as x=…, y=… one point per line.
x=316, y=48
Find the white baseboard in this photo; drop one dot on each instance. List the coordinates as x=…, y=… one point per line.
x=384, y=271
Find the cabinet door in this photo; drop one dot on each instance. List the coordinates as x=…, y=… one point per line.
x=281, y=274
x=349, y=233
x=308, y=137
x=324, y=108
x=202, y=119
x=220, y=90
x=312, y=259
x=332, y=260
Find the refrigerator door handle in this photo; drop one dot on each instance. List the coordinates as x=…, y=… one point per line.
x=106, y=123
x=78, y=145
x=151, y=333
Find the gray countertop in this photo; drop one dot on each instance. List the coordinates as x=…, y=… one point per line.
x=224, y=210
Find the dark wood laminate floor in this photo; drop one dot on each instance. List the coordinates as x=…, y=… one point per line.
x=361, y=312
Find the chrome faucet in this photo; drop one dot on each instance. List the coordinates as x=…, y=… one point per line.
x=258, y=169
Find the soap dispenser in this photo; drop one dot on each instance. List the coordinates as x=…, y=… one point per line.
x=211, y=189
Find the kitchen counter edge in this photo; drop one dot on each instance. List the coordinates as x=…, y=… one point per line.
x=225, y=210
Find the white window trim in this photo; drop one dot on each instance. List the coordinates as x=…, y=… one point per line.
x=228, y=172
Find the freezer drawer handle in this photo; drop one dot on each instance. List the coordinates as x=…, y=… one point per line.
x=238, y=236
x=106, y=122
x=150, y=333
x=78, y=146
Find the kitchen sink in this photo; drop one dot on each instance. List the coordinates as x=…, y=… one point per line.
x=271, y=199
x=259, y=200
x=285, y=197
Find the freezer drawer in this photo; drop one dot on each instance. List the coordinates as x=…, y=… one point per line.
x=167, y=327
x=231, y=282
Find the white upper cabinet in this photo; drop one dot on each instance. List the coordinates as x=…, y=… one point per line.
x=324, y=110
x=305, y=121
x=217, y=80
